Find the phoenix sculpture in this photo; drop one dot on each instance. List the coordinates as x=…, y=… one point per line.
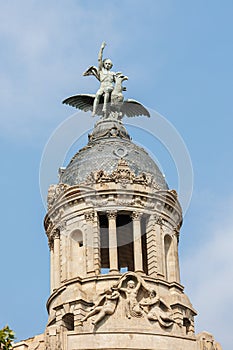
x=108, y=101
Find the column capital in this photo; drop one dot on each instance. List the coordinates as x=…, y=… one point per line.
x=111, y=214
x=135, y=215
x=50, y=243
x=89, y=216
x=158, y=219
x=56, y=234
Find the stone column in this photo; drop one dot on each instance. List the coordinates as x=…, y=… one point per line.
x=160, y=245
x=112, y=232
x=96, y=243
x=90, y=233
x=51, y=266
x=151, y=246
x=56, y=260
x=138, y=265
x=176, y=257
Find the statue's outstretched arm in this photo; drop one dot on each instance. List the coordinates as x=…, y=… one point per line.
x=138, y=285
x=100, y=56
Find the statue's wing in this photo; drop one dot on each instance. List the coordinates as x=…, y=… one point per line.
x=92, y=71
x=133, y=108
x=84, y=102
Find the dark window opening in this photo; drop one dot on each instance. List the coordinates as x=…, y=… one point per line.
x=186, y=324
x=104, y=243
x=125, y=249
x=68, y=320
x=144, y=245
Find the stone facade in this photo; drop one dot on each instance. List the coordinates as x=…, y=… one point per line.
x=113, y=231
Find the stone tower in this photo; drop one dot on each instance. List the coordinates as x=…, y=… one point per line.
x=113, y=231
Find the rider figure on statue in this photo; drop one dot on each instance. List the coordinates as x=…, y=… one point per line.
x=106, y=78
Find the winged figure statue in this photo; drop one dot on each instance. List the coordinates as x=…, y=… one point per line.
x=108, y=100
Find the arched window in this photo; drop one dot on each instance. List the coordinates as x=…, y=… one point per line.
x=77, y=236
x=68, y=320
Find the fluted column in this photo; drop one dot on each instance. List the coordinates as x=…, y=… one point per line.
x=56, y=259
x=113, y=260
x=137, y=242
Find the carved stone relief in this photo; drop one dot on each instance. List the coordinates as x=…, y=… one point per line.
x=138, y=299
x=122, y=175
x=54, y=192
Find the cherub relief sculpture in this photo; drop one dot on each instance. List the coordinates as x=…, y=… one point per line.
x=108, y=100
x=127, y=290
x=132, y=306
x=105, y=306
x=157, y=310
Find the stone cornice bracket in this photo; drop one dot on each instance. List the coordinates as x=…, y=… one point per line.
x=136, y=215
x=62, y=226
x=89, y=216
x=111, y=214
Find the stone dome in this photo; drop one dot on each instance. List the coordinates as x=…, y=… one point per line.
x=109, y=143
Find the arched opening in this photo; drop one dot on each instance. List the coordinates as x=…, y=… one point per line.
x=168, y=257
x=125, y=250
x=77, y=236
x=68, y=320
x=75, y=251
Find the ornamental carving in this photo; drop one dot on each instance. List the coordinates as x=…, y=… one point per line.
x=136, y=215
x=54, y=192
x=112, y=214
x=122, y=175
x=139, y=301
x=158, y=220
x=89, y=216
x=56, y=234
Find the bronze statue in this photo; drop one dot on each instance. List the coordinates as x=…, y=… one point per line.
x=108, y=101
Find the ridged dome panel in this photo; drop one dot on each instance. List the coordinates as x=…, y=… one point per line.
x=104, y=155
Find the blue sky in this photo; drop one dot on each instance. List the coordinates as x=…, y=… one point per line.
x=178, y=56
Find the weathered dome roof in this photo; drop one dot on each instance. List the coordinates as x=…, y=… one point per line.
x=109, y=143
